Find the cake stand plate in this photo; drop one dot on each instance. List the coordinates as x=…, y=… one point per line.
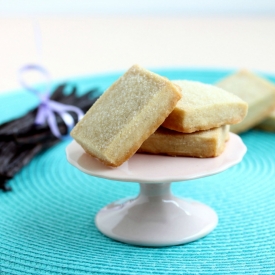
x=156, y=217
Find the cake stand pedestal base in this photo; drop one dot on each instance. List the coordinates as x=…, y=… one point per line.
x=156, y=218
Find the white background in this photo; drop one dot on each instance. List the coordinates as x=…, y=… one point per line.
x=142, y=7
x=76, y=38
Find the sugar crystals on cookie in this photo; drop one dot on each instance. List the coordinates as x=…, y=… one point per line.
x=126, y=115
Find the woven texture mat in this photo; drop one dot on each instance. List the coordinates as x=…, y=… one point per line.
x=47, y=221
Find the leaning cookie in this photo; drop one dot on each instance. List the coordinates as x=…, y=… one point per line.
x=126, y=115
x=202, y=144
x=204, y=107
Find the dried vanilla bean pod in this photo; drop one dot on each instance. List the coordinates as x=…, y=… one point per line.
x=21, y=139
x=7, y=152
x=22, y=157
x=26, y=123
x=17, y=125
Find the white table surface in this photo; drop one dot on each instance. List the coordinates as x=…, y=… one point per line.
x=76, y=46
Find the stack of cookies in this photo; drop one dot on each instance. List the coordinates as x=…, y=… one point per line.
x=145, y=112
x=199, y=124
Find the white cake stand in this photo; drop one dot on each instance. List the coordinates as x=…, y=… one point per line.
x=156, y=217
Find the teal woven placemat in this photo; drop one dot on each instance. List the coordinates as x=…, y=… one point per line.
x=47, y=221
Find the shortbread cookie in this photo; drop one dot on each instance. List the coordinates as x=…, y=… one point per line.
x=204, y=107
x=258, y=92
x=202, y=144
x=126, y=115
x=268, y=124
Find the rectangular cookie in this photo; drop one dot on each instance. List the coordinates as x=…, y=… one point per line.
x=268, y=124
x=258, y=92
x=202, y=144
x=204, y=107
x=125, y=115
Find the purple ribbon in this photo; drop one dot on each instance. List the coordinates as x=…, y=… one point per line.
x=48, y=107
